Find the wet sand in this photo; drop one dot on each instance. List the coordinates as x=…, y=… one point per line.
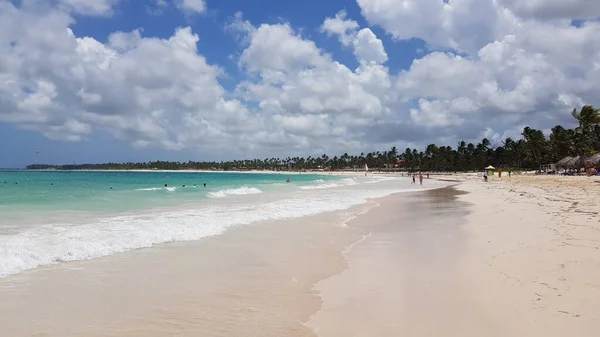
x=402, y=278
x=252, y=281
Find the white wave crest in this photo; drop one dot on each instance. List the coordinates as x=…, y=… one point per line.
x=318, y=187
x=349, y=181
x=234, y=191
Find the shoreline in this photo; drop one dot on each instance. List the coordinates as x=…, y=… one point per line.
x=173, y=274
x=458, y=262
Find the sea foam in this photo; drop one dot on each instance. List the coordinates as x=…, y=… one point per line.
x=233, y=191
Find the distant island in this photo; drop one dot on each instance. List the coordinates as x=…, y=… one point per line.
x=530, y=152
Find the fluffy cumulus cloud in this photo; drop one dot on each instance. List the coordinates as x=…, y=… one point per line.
x=491, y=67
x=305, y=95
x=367, y=47
x=502, y=65
x=146, y=90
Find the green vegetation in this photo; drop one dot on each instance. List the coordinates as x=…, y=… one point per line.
x=533, y=150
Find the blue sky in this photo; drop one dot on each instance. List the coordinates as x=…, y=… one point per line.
x=284, y=83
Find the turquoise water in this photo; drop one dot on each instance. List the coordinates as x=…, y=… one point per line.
x=52, y=217
x=123, y=191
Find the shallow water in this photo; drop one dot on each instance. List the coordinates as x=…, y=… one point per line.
x=51, y=217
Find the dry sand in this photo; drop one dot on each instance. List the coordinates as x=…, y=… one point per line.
x=512, y=257
x=524, y=262
x=535, y=258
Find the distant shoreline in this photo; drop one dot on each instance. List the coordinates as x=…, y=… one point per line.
x=315, y=172
x=222, y=171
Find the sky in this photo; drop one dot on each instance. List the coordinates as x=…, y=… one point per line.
x=90, y=81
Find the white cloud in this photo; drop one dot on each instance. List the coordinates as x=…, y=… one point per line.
x=504, y=68
x=90, y=7
x=157, y=8
x=147, y=90
x=301, y=91
x=339, y=26
x=555, y=9
x=368, y=48
x=464, y=25
x=192, y=6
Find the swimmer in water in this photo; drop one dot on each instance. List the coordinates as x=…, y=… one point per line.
x=205, y=185
x=288, y=180
x=166, y=185
x=183, y=185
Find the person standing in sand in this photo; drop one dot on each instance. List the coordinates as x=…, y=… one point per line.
x=421, y=178
x=413, y=181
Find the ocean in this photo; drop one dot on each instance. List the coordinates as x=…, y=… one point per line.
x=50, y=217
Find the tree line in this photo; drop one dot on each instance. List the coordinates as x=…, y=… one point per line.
x=529, y=152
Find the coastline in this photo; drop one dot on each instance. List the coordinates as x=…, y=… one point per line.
x=261, y=284
x=462, y=263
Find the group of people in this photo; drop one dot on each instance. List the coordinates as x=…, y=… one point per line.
x=183, y=185
x=414, y=178
x=485, y=174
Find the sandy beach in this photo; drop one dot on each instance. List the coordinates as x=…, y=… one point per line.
x=515, y=256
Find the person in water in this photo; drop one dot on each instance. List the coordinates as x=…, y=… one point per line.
x=166, y=185
x=204, y=185
x=288, y=180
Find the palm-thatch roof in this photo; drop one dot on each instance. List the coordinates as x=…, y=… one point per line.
x=564, y=162
x=578, y=162
x=571, y=162
x=595, y=159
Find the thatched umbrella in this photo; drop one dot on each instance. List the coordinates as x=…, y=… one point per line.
x=571, y=162
x=595, y=159
x=563, y=162
x=579, y=162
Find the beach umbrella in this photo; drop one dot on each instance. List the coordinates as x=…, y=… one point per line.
x=563, y=162
x=490, y=168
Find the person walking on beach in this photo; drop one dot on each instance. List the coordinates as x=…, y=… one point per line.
x=413, y=181
x=421, y=178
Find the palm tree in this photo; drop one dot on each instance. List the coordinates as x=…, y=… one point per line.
x=588, y=116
